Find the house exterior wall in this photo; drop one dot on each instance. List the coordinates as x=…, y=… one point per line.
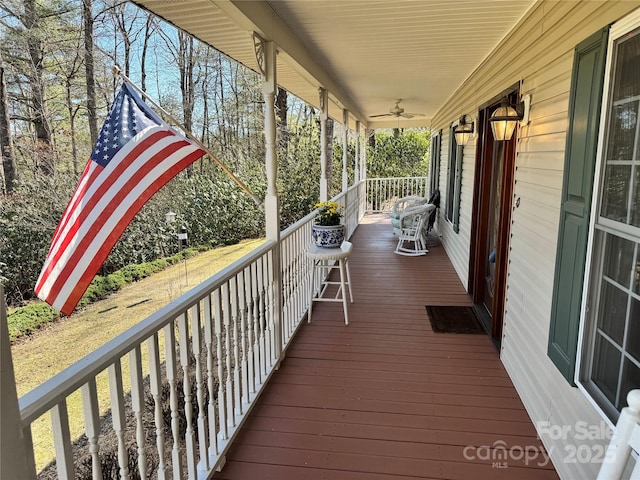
x=538, y=53
x=457, y=245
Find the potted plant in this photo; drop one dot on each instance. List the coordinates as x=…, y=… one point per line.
x=327, y=231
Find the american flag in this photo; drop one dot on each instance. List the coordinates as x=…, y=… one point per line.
x=135, y=155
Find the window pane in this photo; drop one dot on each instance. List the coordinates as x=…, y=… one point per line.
x=622, y=131
x=613, y=311
x=636, y=273
x=633, y=337
x=618, y=258
x=606, y=365
x=627, y=69
x=635, y=216
x=615, y=192
x=630, y=380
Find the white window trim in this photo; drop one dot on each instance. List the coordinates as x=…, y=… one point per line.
x=618, y=29
x=438, y=135
x=449, y=166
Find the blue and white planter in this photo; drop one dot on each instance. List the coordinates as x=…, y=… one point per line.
x=328, y=236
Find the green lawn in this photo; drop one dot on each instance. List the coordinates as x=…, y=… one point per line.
x=55, y=347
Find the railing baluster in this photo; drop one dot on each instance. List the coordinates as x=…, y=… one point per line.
x=287, y=285
x=155, y=382
x=261, y=323
x=171, y=368
x=222, y=394
x=137, y=405
x=211, y=406
x=196, y=345
x=268, y=298
x=92, y=425
x=292, y=321
x=244, y=366
x=233, y=291
x=251, y=318
x=296, y=312
x=227, y=323
x=62, y=441
x=30, y=460
x=185, y=361
x=118, y=416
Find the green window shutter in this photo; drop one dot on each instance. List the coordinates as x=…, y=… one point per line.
x=450, y=175
x=454, y=181
x=435, y=162
x=457, y=190
x=579, y=167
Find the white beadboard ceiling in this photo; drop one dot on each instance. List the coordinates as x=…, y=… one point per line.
x=367, y=53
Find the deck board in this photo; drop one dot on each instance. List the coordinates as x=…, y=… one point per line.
x=385, y=397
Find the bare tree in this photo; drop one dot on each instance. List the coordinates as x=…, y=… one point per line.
x=281, y=119
x=35, y=74
x=69, y=64
x=89, y=69
x=149, y=28
x=7, y=153
x=186, y=60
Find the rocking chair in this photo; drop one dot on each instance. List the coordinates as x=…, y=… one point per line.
x=412, y=228
x=400, y=206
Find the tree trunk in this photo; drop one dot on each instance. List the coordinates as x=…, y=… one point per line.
x=145, y=48
x=185, y=65
x=281, y=120
x=72, y=127
x=6, y=143
x=40, y=120
x=89, y=73
x=205, y=109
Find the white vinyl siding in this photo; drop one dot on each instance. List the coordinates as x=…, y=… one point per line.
x=457, y=245
x=539, y=53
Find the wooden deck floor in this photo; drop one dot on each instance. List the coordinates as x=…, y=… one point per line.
x=385, y=397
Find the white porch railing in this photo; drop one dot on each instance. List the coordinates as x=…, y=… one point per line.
x=195, y=367
x=624, y=444
x=382, y=192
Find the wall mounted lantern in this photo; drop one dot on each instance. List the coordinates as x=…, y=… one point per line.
x=463, y=131
x=505, y=118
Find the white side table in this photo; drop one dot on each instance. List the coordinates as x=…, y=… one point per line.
x=324, y=259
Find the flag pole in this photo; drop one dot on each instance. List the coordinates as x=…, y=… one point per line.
x=118, y=72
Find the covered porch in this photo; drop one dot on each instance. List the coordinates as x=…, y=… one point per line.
x=385, y=396
x=230, y=377
x=229, y=380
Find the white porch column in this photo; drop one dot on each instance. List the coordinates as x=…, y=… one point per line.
x=269, y=87
x=13, y=451
x=345, y=149
x=266, y=55
x=363, y=154
x=356, y=160
x=324, y=115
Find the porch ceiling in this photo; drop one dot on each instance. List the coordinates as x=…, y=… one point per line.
x=366, y=53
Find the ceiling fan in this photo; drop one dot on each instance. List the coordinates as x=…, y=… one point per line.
x=397, y=111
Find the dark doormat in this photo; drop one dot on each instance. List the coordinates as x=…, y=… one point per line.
x=454, y=319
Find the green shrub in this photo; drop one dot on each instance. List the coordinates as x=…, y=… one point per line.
x=114, y=282
x=25, y=320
